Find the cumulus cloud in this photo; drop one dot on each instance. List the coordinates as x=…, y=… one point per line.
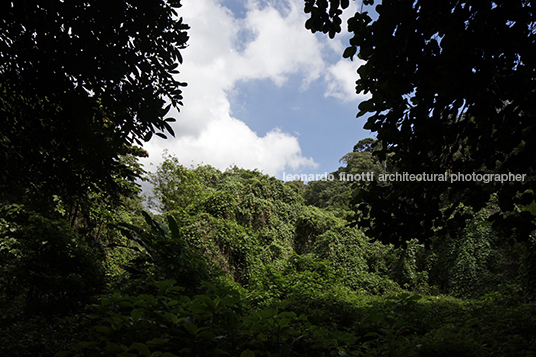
x=281, y=45
x=270, y=42
x=231, y=142
x=340, y=84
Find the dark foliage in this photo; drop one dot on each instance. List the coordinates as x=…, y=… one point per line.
x=79, y=83
x=452, y=89
x=45, y=267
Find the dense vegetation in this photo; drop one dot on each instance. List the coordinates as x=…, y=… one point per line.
x=236, y=263
x=239, y=263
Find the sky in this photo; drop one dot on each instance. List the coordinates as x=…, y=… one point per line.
x=263, y=92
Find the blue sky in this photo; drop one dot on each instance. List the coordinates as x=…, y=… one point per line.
x=263, y=92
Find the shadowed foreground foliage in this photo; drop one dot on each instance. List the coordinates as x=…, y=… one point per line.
x=242, y=267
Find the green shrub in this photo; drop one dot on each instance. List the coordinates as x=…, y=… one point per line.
x=217, y=322
x=409, y=268
x=46, y=267
x=310, y=224
x=356, y=259
x=472, y=262
x=229, y=246
x=163, y=253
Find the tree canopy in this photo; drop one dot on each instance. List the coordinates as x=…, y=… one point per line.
x=80, y=83
x=452, y=89
x=238, y=262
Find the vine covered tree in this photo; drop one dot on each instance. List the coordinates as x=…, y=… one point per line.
x=452, y=87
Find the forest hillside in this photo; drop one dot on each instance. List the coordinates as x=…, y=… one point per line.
x=237, y=263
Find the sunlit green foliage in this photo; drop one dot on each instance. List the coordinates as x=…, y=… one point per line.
x=257, y=203
x=355, y=258
x=310, y=224
x=359, y=167
x=298, y=281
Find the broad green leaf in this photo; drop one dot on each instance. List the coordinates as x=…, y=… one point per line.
x=349, y=52
x=104, y=329
x=247, y=353
x=142, y=347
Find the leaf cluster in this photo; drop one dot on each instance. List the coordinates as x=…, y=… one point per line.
x=442, y=93
x=80, y=83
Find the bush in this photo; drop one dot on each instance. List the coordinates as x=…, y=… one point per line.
x=311, y=223
x=356, y=259
x=223, y=243
x=169, y=323
x=46, y=267
x=163, y=253
x=473, y=262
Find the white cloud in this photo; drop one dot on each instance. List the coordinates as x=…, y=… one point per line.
x=341, y=79
x=282, y=46
x=231, y=142
x=276, y=46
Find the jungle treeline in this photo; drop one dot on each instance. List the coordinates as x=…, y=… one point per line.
x=240, y=263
